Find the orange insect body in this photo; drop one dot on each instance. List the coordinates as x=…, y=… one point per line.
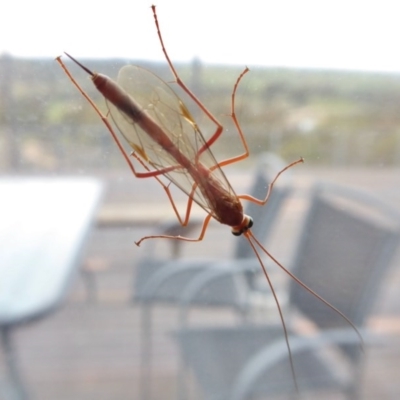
x=167, y=141
x=224, y=205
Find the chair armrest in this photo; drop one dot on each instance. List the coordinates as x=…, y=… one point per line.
x=203, y=273
x=215, y=272
x=271, y=354
x=169, y=271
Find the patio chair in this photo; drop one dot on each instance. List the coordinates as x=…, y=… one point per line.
x=159, y=281
x=347, y=243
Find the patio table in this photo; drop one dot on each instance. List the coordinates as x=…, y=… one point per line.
x=44, y=223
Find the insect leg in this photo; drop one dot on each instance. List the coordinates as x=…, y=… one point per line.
x=219, y=129
x=178, y=80
x=103, y=118
x=270, y=186
x=183, y=221
x=246, y=152
x=186, y=239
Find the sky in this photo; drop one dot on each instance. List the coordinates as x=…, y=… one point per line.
x=351, y=34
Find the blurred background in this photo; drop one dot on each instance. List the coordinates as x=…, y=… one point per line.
x=324, y=84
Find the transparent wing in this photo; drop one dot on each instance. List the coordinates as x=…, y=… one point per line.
x=158, y=99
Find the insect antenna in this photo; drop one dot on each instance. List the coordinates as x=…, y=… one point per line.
x=249, y=237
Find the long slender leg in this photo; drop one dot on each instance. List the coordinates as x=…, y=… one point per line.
x=219, y=128
x=183, y=221
x=246, y=152
x=270, y=186
x=178, y=80
x=198, y=239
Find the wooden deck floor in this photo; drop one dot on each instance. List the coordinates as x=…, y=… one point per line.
x=90, y=351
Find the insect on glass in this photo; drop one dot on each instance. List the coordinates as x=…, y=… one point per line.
x=166, y=141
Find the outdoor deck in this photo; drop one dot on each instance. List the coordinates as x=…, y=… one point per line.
x=90, y=350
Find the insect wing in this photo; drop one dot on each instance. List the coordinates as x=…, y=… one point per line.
x=161, y=103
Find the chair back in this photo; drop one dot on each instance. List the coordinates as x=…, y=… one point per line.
x=347, y=243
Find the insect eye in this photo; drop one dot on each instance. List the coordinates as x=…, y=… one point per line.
x=238, y=232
